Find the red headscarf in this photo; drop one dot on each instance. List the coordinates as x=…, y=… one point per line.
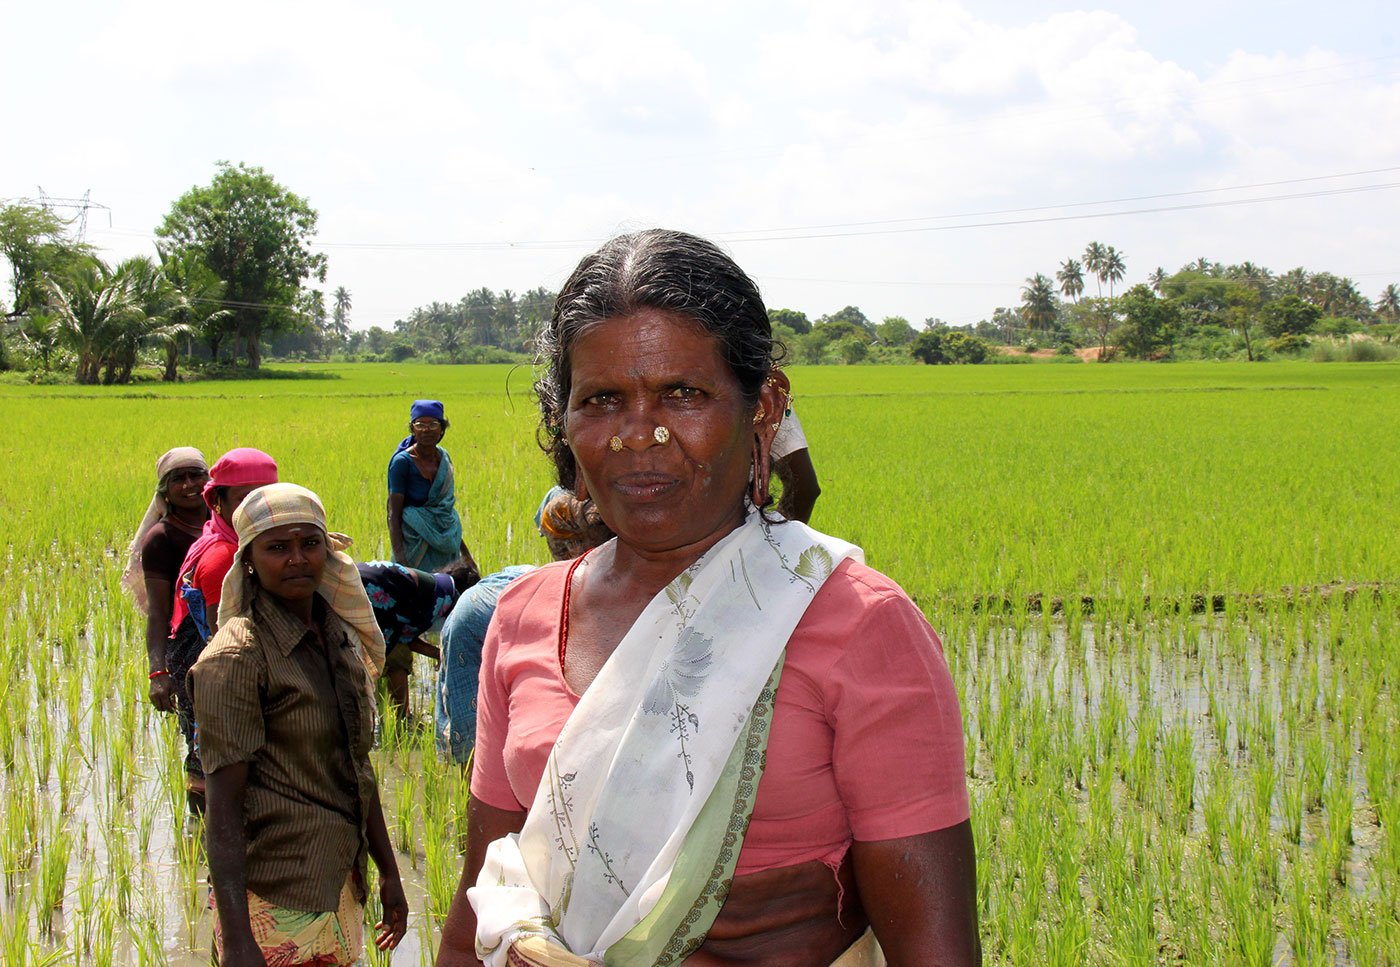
x=240, y=467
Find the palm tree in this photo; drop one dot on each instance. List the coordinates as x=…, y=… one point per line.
x=480, y=310
x=1388, y=303
x=1094, y=255
x=41, y=330
x=1256, y=277
x=1071, y=279
x=196, y=307
x=340, y=313
x=1038, y=302
x=508, y=317
x=1293, y=282
x=1156, y=278
x=91, y=306
x=153, y=299
x=1113, y=268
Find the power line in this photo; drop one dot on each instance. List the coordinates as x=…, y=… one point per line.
x=1076, y=204
x=790, y=237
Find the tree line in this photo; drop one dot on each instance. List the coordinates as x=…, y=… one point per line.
x=230, y=268
x=234, y=277
x=1204, y=309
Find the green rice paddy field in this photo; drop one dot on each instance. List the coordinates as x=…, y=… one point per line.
x=1170, y=597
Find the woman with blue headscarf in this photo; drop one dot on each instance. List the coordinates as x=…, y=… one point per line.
x=424, y=529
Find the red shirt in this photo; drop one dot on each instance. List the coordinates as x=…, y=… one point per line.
x=209, y=574
x=866, y=742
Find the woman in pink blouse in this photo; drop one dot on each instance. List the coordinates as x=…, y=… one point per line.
x=719, y=738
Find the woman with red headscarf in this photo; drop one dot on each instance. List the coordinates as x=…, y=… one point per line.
x=233, y=476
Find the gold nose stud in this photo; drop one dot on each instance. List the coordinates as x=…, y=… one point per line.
x=615, y=444
x=661, y=434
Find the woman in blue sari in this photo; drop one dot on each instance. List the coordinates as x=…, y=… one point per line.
x=424, y=529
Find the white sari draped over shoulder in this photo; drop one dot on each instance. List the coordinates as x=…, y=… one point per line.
x=630, y=844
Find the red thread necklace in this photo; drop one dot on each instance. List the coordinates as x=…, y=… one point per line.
x=564, y=614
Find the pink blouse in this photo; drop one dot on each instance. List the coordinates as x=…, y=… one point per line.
x=866, y=741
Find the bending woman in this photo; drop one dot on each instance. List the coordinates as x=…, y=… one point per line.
x=718, y=738
x=424, y=529
x=286, y=718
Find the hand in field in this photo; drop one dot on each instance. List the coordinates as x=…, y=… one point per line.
x=390, y=930
x=162, y=693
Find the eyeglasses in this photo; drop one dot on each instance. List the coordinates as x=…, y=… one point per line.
x=426, y=425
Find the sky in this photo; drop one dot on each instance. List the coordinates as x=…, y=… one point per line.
x=914, y=159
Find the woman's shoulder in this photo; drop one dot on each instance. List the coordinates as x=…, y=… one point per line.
x=857, y=611
x=233, y=654
x=857, y=586
x=217, y=559
x=527, y=588
x=238, y=634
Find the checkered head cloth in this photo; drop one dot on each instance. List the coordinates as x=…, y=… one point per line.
x=285, y=503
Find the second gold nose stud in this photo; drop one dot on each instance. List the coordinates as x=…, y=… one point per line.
x=660, y=435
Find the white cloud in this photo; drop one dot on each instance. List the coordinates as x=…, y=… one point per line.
x=436, y=123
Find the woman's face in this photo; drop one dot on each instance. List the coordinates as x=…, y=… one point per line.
x=236, y=495
x=427, y=432
x=632, y=374
x=184, y=488
x=289, y=560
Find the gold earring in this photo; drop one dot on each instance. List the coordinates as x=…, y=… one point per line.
x=661, y=435
x=615, y=444
x=758, y=416
x=774, y=426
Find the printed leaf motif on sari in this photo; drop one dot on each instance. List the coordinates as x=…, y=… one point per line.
x=681, y=676
x=815, y=563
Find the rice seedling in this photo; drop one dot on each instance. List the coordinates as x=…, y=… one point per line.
x=53, y=873
x=1209, y=704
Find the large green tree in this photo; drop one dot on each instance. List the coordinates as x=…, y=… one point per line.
x=847, y=314
x=1289, y=316
x=255, y=235
x=895, y=331
x=792, y=318
x=1149, y=323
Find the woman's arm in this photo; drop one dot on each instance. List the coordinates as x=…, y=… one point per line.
x=393, y=903
x=920, y=893
x=800, y=486
x=484, y=825
x=228, y=862
x=396, y=526
x=158, y=600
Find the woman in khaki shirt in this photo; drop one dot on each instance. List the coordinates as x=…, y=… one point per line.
x=283, y=701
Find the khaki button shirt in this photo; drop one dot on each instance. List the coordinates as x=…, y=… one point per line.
x=267, y=692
